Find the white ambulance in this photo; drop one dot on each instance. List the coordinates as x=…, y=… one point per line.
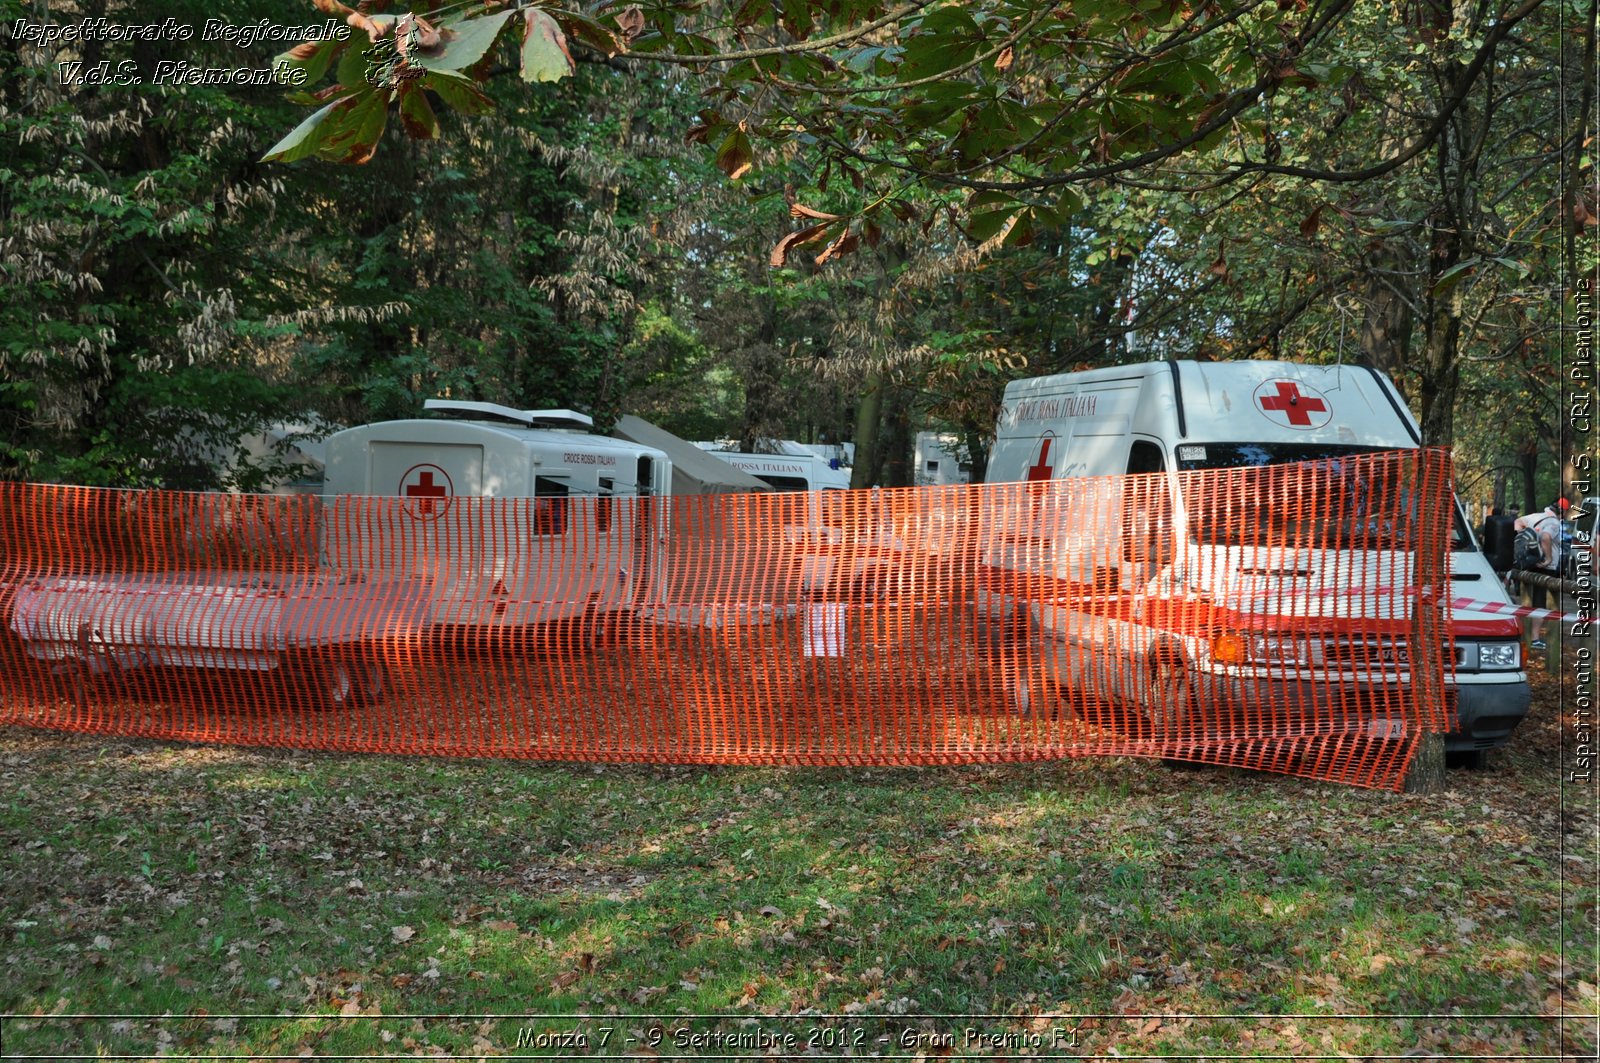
x=788, y=472
x=1165, y=417
x=587, y=542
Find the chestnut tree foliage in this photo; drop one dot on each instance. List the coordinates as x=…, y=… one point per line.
x=814, y=219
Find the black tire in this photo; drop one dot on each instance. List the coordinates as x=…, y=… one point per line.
x=1468, y=759
x=334, y=681
x=1172, y=691
x=1036, y=697
x=1173, y=714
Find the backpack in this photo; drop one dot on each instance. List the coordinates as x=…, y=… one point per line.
x=1525, y=551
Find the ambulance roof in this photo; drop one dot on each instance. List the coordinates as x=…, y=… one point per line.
x=455, y=430
x=1241, y=401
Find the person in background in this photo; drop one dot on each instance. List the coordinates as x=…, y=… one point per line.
x=1547, y=525
x=1483, y=529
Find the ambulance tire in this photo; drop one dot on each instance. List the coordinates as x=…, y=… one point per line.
x=1037, y=697
x=1467, y=759
x=1171, y=705
x=1172, y=691
x=340, y=680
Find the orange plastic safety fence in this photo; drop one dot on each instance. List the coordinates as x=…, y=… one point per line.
x=1283, y=618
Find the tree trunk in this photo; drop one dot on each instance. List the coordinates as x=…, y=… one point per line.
x=867, y=418
x=1388, y=321
x=895, y=439
x=1426, y=775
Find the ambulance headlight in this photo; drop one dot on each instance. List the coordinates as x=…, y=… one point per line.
x=1503, y=655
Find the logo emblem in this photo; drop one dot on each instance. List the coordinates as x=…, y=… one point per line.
x=1043, y=469
x=1285, y=402
x=427, y=490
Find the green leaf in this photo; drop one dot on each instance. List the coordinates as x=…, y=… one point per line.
x=416, y=114
x=734, y=156
x=302, y=139
x=357, y=66
x=988, y=223
x=1455, y=275
x=474, y=37
x=313, y=58
x=591, y=32
x=458, y=92
x=544, y=48
x=354, y=129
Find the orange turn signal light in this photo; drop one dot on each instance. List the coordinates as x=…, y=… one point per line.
x=1227, y=649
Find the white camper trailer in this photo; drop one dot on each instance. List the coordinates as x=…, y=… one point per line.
x=586, y=546
x=938, y=460
x=427, y=554
x=1176, y=416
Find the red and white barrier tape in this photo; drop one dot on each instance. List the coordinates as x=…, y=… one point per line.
x=1516, y=610
x=1502, y=608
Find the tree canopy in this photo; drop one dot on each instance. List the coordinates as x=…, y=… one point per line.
x=820, y=220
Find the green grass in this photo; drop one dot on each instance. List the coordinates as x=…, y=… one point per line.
x=149, y=879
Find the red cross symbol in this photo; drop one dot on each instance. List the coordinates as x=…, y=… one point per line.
x=1290, y=402
x=1042, y=469
x=425, y=490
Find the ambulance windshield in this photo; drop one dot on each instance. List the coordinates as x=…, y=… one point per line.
x=1327, y=502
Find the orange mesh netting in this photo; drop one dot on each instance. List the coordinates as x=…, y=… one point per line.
x=1278, y=617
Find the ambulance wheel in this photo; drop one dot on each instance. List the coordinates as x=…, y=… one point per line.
x=1036, y=696
x=1170, y=707
x=338, y=681
x=1171, y=710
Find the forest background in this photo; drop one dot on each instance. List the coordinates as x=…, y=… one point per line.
x=821, y=221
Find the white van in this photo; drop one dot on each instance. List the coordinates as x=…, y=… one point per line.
x=788, y=472
x=1164, y=417
x=579, y=548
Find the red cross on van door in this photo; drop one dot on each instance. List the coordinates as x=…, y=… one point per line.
x=1291, y=404
x=424, y=485
x=1043, y=469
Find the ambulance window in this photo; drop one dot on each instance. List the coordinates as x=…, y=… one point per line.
x=933, y=466
x=1145, y=456
x=1147, y=508
x=549, y=506
x=787, y=483
x=602, y=506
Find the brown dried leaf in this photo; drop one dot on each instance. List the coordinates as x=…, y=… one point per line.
x=415, y=32
x=800, y=210
x=1311, y=223
x=1003, y=61
x=845, y=244
x=780, y=253
x=375, y=29
x=630, y=22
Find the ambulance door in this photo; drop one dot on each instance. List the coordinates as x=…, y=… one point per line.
x=644, y=521
x=431, y=536
x=1146, y=548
